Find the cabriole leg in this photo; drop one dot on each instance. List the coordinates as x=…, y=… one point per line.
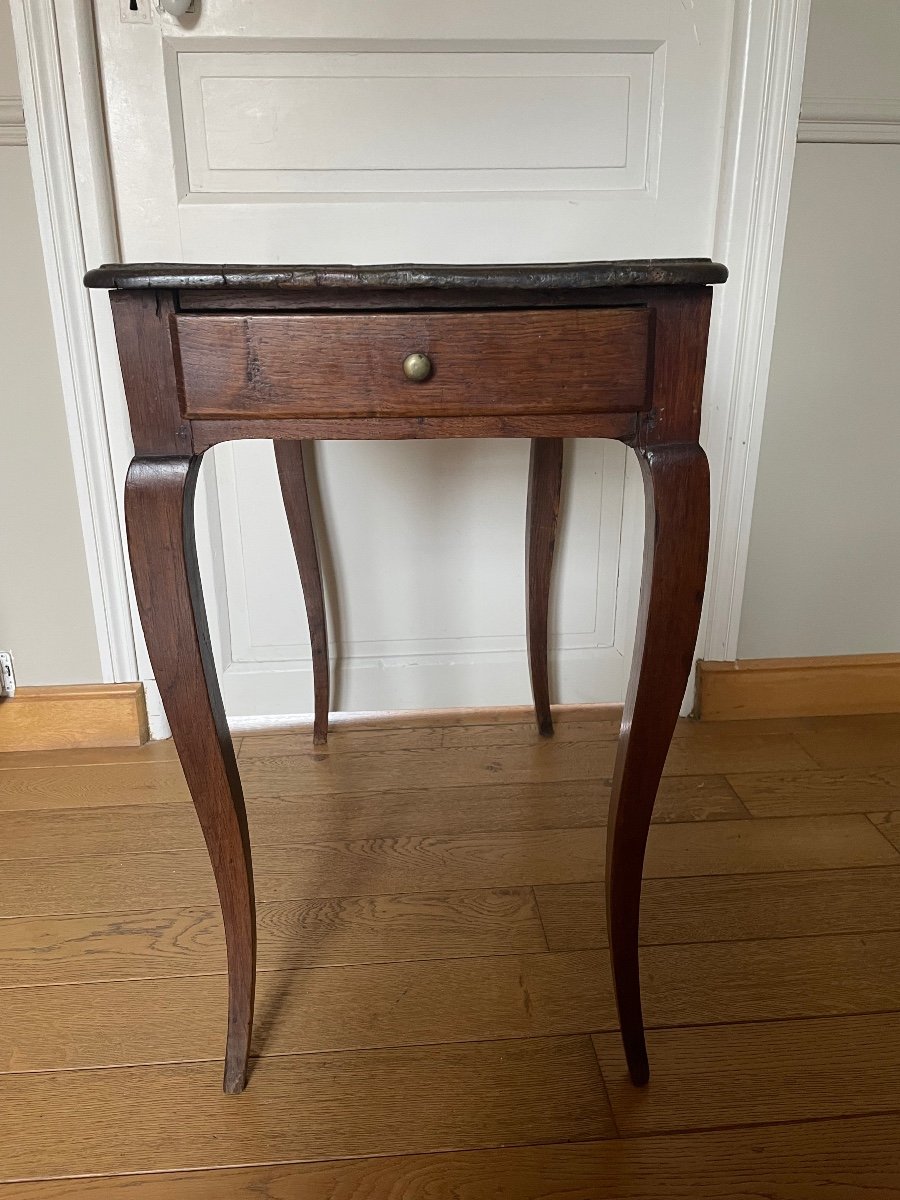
x=159, y=512
x=544, y=486
x=289, y=458
x=676, y=490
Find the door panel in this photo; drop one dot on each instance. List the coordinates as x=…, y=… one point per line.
x=346, y=131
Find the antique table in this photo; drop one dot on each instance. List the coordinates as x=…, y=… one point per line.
x=609, y=349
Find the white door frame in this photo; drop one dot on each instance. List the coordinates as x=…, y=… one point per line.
x=70, y=168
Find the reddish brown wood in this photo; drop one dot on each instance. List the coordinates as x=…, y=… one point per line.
x=541, y=352
x=676, y=543
x=143, y=336
x=159, y=507
x=681, y=319
x=620, y=426
x=541, y=515
x=676, y=490
x=348, y=365
x=289, y=458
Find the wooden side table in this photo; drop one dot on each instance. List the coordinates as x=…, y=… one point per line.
x=614, y=350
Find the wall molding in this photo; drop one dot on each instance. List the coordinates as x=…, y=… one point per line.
x=12, y=122
x=798, y=687
x=66, y=718
x=768, y=53
x=64, y=119
x=867, y=122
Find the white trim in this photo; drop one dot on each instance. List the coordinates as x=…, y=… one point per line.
x=875, y=122
x=494, y=679
x=768, y=52
x=12, y=122
x=68, y=187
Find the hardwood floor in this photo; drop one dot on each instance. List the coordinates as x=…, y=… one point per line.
x=435, y=1014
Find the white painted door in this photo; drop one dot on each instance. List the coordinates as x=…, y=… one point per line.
x=414, y=130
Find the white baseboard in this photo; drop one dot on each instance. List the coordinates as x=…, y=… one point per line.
x=489, y=680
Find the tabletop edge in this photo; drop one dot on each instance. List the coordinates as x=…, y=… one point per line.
x=408, y=276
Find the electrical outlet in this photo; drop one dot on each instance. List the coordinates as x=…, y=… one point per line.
x=136, y=12
x=7, y=675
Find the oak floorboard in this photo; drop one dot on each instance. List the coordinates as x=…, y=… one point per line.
x=160, y=751
x=330, y=772
x=375, y=866
x=719, y=983
x=852, y=1159
x=344, y=739
x=731, y=907
x=296, y=819
x=447, y=1000
x=698, y=752
x=309, y=1011
x=410, y=1100
x=748, y=847
x=408, y=1004
x=331, y=931
x=372, y=866
x=339, y=930
x=888, y=823
x=156, y=777
x=817, y=793
x=93, y=786
x=859, y=741
x=699, y=748
x=758, y=1073
x=573, y=726
x=526, y=733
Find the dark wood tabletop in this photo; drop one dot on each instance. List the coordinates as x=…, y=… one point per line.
x=648, y=272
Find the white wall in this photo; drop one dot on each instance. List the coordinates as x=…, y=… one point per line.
x=823, y=574
x=46, y=618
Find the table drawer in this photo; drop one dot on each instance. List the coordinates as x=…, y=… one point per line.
x=352, y=365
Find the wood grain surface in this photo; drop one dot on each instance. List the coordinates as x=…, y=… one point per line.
x=333, y=931
x=159, y=518
x=798, y=687
x=731, y=907
x=794, y=794
x=849, y=1159
x=592, y=360
x=170, y=824
x=433, y=1037
x=68, y=716
x=407, y=1099
x=789, y=1070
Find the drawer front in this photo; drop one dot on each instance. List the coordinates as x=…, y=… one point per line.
x=352, y=365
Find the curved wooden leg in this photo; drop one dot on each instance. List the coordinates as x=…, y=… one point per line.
x=159, y=512
x=294, y=491
x=676, y=489
x=544, y=486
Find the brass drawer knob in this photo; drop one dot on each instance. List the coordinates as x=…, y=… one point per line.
x=417, y=367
